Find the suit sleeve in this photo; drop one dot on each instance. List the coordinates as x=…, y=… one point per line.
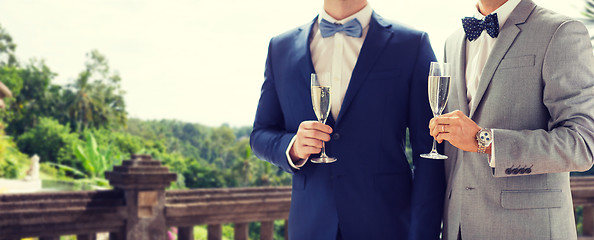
x=568, y=95
x=269, y=139
x=429, y=175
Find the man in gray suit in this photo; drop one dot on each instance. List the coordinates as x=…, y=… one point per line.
x=521, y=117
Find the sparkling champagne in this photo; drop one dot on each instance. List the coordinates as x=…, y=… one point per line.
x=320, y=96
x=439, y=88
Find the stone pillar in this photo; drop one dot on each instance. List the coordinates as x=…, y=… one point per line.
x=49, y=238
x=185, y=233
x=267, y=230
x=241, y=231
x=86, y=237
x=286, y=228
x=143, y=181
x=215, y=232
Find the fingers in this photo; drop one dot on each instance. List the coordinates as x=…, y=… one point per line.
x=310, y=137
x=437, y=129
x=437, y=126
x=456, y=128
x=315, y=125
x=313, y=134
x=443, y=136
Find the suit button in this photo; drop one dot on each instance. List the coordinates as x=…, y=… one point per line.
x=528, y=170
x=508, y=171
x=515, y=171
x=336, y=136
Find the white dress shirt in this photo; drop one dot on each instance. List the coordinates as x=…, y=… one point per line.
x=477, y=53
x=336, y=55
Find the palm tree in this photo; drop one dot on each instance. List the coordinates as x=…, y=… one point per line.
x=98, y=100
x=81, y=107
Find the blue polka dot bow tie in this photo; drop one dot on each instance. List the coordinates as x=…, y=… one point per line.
x=352, y=28
x=474, y=27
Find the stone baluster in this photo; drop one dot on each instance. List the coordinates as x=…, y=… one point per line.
x=143, y=181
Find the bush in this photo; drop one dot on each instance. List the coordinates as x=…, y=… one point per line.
x=51, y=141
x=13, y=163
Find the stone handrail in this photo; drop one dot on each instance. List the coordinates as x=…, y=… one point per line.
x=140, y=208
x=52, y=214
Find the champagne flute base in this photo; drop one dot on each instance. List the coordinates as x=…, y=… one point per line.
x=323, y=160
x=434, y=156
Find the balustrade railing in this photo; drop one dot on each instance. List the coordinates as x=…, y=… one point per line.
x=140, y=208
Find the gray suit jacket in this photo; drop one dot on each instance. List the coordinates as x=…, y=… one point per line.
x=537, y=93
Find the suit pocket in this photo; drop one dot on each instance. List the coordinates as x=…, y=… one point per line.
x=516, y=62
x=532, y=199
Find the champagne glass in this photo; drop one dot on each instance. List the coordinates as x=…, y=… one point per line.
x=321, y=85
x=439, y=89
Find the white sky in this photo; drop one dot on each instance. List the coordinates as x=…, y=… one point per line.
x=195, y=61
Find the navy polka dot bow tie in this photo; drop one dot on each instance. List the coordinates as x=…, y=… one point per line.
x=352, y=28
x=474, y=27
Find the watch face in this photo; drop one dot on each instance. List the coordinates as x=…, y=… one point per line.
x=485, y=137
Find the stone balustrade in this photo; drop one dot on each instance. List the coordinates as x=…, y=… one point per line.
x=139, y=208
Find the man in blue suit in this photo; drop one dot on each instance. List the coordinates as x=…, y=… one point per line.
x=379, y=72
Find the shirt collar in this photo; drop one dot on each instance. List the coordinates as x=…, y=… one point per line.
x=503, y=12
x=363, y=15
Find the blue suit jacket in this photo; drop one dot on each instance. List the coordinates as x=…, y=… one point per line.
x=369, y=192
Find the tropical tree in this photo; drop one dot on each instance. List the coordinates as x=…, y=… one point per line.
x=244, y=165
x=7, y=49
x=30, y=97
x=97, y=99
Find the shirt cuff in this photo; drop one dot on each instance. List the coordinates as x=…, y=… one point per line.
x=492, y=155
x=299, y=163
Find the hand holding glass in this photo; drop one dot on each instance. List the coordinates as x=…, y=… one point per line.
x=439, y=89
x=321, y=85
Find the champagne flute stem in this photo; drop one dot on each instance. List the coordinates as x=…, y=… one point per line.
x=323, y=155
x=434, y=148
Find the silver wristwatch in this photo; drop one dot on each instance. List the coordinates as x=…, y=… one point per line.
x=484, y=137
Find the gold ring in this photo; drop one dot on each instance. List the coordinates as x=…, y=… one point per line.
x=442, y=128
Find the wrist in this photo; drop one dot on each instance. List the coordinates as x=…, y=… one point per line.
x=293, y=155
x=484, y=138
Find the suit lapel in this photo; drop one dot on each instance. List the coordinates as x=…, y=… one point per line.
x=459, y=71
x=508, y=34
x=303, y=53
x=375, y=41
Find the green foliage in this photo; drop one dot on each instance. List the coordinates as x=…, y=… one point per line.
x=588, y=10
x=588, y=19
x=7, y=48
x=9, y=76
x=80, y=130
x=204, y=176
x=29, y=86
x=97, y=99
x=95, y=160
x=207, y=157
x=51, y=141
x=13, y=163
